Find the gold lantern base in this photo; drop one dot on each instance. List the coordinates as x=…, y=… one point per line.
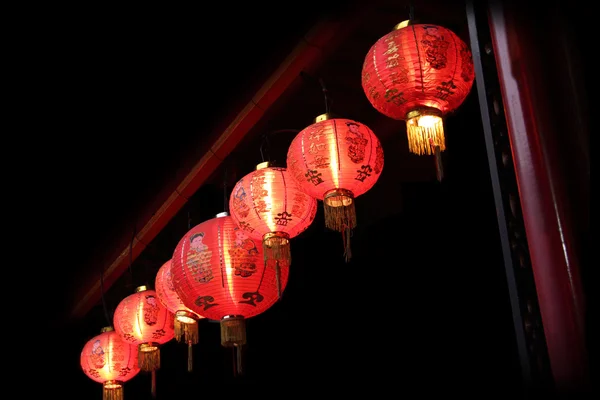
x=233, y=331
x=340, y=215
x=186, y=330
x=112, y=390
x=186, y=327
x=233, y=335
x=148, y=356
x=425, y=130
x=149, y=360
x=277, y=253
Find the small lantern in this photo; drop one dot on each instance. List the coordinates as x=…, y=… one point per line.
x=336, y=160
x=418, y=73
x=142, y=320
x=268, y=205
x=218, y=271
x=185, y=320
x=109, y=360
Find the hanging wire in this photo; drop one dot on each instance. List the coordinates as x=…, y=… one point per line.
x=131, y=254
x=265, y=145
x=326, y=98
x=411, y=11
x=225, y=197
x=189, y=220
x=104, y=306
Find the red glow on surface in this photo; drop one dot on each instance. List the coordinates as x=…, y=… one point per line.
x=142, y=318
x=218, y=270
x=107, y=357
x=417, y=66
x=335, y=154
x=269, y=200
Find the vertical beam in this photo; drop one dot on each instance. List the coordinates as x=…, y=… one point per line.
x=532, y=129
x=495, y=142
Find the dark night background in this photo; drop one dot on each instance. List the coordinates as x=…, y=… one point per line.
x=423, y=306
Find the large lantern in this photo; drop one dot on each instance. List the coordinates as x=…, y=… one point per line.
x=269, y=206
x=142, y=320
x=336, y=160
x=186, y=321
x=418, y=73
x=218, y=271
x=109, y=360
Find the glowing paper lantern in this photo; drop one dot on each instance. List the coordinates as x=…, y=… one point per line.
x=269, y=206
x=141, y=319
x=218, y=271
x=185, y=320
x=418, y=73
x=109, y=360
x=336, y=160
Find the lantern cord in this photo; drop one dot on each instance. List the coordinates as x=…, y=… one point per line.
x=189, y=221
x=131, y=254
x=265, y=145
x=225, y=197
x=328, y=101
x=104, y=306
x=411, y=11
x=324, y=89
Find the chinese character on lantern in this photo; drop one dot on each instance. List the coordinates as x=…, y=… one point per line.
x=219, y=272
x=109, y=360
x=336, y=160
x=268, y=205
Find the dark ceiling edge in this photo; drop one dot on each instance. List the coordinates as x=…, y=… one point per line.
x=306, y=54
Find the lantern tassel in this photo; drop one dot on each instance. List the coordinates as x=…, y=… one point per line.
x=153, y=384
x=346, y=234
x=149, y=357
x=233, y=334
x=278, y=279
x=340, y=215
x=439, y=166
x=276, y=247
x=238, y=359
x=186, y=331
x=424, y=127
x=190, y=361
x=112, y=390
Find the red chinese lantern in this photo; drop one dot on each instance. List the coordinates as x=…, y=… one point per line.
x=418, y=73
x=336, y=160
x=218, y=271
x=141, y=319
x=109, y=360
x=185, y=320
x=269, y=206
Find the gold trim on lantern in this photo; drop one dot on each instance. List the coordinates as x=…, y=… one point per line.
x=141, y=288
x=233, y=330
x=107, y=329
x=338, y=198
x=149, y=356
x=402, y=24
x=113, y=384
x=186, y=317
x=423, y=111
x=148, y=347
x=425, y=131
x=323, y=117
x=222, y=214
x=263, y=165
x=267, y=238
x=112, y=390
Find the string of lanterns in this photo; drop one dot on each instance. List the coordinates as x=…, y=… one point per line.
x=234, y=267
